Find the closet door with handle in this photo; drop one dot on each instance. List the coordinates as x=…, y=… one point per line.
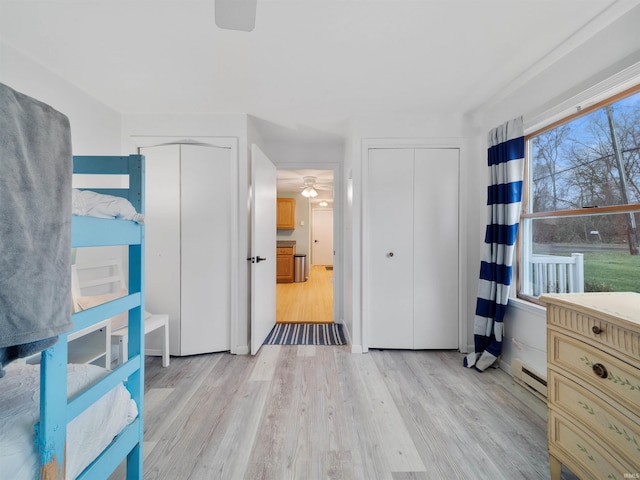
x=390, y=248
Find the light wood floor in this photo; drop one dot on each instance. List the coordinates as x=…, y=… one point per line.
x=306, y=302
x=305, y=412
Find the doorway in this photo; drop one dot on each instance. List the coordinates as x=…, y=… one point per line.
x=310, y=297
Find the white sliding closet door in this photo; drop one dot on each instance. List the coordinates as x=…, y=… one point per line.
x=412, y=248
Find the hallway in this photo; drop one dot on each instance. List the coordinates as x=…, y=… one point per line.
x=306, y=302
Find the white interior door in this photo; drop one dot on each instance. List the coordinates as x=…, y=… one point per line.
x=162, y=236
x=263, y=247
x=206, y=249
x=435, y=275
x=322, y=237
x=390, y=248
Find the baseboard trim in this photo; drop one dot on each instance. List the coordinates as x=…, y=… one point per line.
x=241, y=350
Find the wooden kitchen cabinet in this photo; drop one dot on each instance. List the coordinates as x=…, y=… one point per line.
x=593, y=370
x=286, y=214
x=284, y=264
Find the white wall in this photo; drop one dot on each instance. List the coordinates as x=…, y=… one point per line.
x=283, y=154
x=351, y=303
x=586, y=68
x=95, y=128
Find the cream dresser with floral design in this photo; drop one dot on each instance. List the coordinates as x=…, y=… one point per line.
x=593, y=368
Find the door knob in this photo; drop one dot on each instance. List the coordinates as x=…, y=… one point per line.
x=390, y=254
x=260, y=259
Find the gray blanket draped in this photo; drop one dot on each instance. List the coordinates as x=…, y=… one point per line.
x=35, y=225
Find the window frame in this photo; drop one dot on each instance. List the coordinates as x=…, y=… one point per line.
x=524, y=214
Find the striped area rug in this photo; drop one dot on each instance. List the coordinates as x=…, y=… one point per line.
x=306, y=334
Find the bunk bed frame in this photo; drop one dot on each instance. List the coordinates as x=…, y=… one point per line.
x=55, y=410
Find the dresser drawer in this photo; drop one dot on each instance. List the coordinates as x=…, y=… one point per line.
x=579, y=451
x=622, y=381
x=598, y=331
x=602, y=418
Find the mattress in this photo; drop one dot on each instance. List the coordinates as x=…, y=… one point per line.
x=87, y=435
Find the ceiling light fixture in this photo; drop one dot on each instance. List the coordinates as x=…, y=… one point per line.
x=309, y=192
x=324, y=203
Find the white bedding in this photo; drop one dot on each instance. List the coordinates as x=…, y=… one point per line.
x=92, y=204
x=87, y=435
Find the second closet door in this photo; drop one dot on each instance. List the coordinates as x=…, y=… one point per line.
x=205, y=249
x=435, y=249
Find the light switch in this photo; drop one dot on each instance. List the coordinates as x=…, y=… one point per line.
x=302, y=223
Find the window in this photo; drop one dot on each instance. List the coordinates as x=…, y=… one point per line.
x=581, y=207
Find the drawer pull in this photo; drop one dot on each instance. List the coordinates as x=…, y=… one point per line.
x=596, y=329
x=600, y=370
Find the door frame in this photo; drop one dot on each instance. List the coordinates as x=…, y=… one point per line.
x=399, y=143
x=338, y=231
x=142, y=141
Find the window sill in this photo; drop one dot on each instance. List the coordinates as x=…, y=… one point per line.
x=527, y=307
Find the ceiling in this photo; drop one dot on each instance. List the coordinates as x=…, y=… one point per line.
x=291, y=181
x=309, y=65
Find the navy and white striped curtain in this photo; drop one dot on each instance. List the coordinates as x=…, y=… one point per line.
x=504, y=195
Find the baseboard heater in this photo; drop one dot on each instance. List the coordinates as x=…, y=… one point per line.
x=526, y=376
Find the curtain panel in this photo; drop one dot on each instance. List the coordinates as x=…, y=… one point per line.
x=504, y=195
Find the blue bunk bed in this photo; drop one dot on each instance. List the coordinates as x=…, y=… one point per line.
x=55, y=410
